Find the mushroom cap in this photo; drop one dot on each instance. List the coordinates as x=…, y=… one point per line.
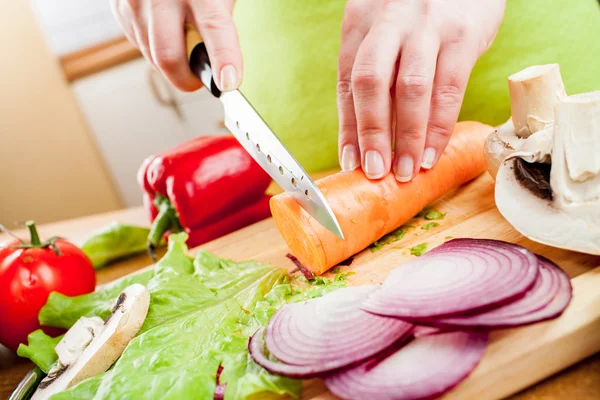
x=576, y=228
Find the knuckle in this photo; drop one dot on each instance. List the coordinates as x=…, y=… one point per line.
x=412, y=134
x=447, y=95
x=222, y=53
x=214, y=21
x=371, y=131
x=460, y=31
x=440, y=130
x=166, y=60
x=413, y=86
x=366, y=79
x=344, y=88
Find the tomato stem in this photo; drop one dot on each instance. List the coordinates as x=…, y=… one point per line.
x=35, y=238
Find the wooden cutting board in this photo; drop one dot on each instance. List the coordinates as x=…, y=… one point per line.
x=515, y=358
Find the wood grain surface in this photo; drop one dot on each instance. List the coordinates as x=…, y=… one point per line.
x=519, y=364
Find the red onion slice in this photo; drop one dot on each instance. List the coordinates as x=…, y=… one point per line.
x=331, y=329
x=460, y=276
x=425, y=368
x=547, y=299
x=256, y=347
x=420, y=331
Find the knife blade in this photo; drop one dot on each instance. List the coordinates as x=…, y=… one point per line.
x=259, y=140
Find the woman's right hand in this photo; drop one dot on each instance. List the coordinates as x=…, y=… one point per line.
x=156, y=28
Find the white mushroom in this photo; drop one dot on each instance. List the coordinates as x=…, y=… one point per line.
x=534, y=92
x=557, y=204
x=92, y=345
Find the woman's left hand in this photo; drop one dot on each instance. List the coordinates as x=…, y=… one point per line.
x=403, y=70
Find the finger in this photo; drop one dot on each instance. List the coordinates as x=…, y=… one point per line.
x=134, y=12
x=453, y=70
x=167, y=44
x=354, y=31
x=413, y=95
x=372, y=78
x=118, y=8
x=215, y=23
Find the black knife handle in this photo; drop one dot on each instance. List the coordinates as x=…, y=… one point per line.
x=198, y=59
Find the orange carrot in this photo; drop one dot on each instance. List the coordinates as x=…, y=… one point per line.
x=367, y=210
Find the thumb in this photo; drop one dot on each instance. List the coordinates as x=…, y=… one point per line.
x=215, y=23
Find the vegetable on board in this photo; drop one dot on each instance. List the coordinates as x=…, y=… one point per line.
x=207, y=186
x=375, y=207
x=40, y=349
x=419, y=249
x=346, y=345
x=430, y=225
x=545, y=161
x=113, y=242
x=92, y=345
x=202, y=312
x=413, y=337
x=29, y=272
x=425, y=368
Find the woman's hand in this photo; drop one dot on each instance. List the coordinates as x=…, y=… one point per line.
x=156, y=28
x=403, y=70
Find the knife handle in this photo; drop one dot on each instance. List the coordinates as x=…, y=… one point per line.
x=198, y=59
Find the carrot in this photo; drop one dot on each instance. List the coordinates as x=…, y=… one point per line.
x=367, y=210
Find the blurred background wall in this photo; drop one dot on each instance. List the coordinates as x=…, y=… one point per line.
x=80, y=110
x=49, y=166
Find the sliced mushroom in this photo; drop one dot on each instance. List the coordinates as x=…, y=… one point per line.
x=92, y=345
x=534, y=92
x=558, y=204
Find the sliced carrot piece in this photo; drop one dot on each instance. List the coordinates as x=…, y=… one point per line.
x=367, y=210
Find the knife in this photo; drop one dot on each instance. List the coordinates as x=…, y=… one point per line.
x=253, y=133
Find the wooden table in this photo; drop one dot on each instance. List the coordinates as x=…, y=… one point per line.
x=582, y=381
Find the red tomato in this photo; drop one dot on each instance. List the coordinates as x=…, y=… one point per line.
x=28, y=276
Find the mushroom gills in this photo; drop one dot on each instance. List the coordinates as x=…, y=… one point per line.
x=535, y=177
x=557, y=204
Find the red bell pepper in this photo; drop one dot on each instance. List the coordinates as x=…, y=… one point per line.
x=207, y=187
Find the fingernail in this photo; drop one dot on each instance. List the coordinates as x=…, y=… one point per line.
x=373, y=164
x=404, y=168
x=428, y=158
x=229, y=80
x=350, y=158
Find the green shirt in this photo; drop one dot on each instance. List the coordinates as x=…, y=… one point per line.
x=290, y=50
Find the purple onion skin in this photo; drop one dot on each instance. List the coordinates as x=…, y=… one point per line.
x=553, y=309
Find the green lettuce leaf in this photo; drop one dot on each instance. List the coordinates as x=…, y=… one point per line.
x=114, y=242
x=202, y=313
x=40, y=349
x=63, y=311
x=83, y=390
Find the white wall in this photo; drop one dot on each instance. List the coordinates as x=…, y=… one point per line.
x=49, y=167
x=71, y=25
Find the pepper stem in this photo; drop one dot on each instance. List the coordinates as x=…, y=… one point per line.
x=164, y=221
x=35, y=238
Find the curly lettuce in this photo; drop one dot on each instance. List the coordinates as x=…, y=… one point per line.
x=202, y=312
